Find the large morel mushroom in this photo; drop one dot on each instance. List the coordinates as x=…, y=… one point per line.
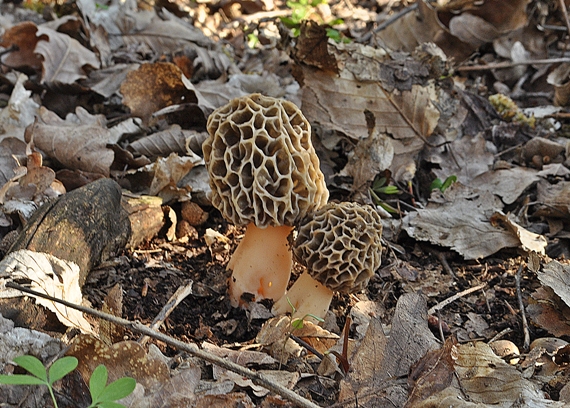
x=264, y=173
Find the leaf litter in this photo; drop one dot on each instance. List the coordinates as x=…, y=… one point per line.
x=124, y=91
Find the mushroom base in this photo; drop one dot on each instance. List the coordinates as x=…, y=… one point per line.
x=308, y=296
x=261, y=264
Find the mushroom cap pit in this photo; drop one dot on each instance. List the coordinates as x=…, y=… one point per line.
x=340, y=244
x=262, y=165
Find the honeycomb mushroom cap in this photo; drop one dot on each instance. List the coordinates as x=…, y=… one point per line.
x=340, y=244
x=262, y=165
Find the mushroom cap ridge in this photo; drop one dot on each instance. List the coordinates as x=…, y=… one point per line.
x=262, y=165
x=340, y=244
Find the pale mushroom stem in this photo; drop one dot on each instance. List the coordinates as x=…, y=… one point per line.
x=261, y=264
x=308, y=296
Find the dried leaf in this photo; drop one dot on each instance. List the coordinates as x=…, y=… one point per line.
x=529, y=241
x=123, y=359
x=549, y=312
x=49, y=275
x=171, y=140
x=459, y=223
x=22, y=36
x=380, y=360
x=508, y=184
x=65, y=60
x=432, y=374
x=79, y=142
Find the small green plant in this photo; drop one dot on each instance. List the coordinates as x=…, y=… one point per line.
x=298, y=324
x=102, y=395
x=380, y=186
x=305, y=9
x=442, y=185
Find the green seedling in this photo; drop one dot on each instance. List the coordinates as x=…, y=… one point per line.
x=442, y=186
x=304, y=9
x=298, y=324
x=39, y=374
x=102, y=395
x=295, y=324
x=380, y=187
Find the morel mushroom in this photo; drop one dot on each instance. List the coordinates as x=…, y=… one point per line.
x=340, y=244
x=264, y=173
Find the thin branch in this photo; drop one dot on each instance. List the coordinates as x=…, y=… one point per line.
x=191, y=349
x=181, y=293
x=303, y=343
x=565, y=13
x=510, y=64
x=526, y=332
x=453, y=298
x=388, y=22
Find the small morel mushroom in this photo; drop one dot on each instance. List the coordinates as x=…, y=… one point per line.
x=340, y=244
x=264, y=173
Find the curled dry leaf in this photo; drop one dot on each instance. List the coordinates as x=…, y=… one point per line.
x=65, y=60
x=484, y=380
x=19, y=112
x=79, y=142
x=458, y=28
x=171, y=140
x=166, y=174
x=548, y=310
x=446, y=224
x=529, y=241
x=49, y=275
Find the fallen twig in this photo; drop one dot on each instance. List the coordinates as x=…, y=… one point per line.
x=526, y=343
x=562, y=5
x=510, y=64
x=181, y=293
x=453, y=298
x=388, y=22
x=191, y=349
x=443, y=260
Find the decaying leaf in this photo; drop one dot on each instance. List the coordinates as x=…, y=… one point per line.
x=171, y=140
x=548, y=310
x=153, y=87
x=166, y=175
x=529, y=241
x=65, y=60
x=23, y=37
x=458, y=28
x=460, y=222
x=124, y=359
x=554, y=199
x=557, y=277
x=433, y=373
x=465, y=158
x=49, y=275
x=79, y=142
x=508, y=184
x=275, y=332
x=402, y=102
x=378, y=361
x=484, y=380
x=19, y=112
